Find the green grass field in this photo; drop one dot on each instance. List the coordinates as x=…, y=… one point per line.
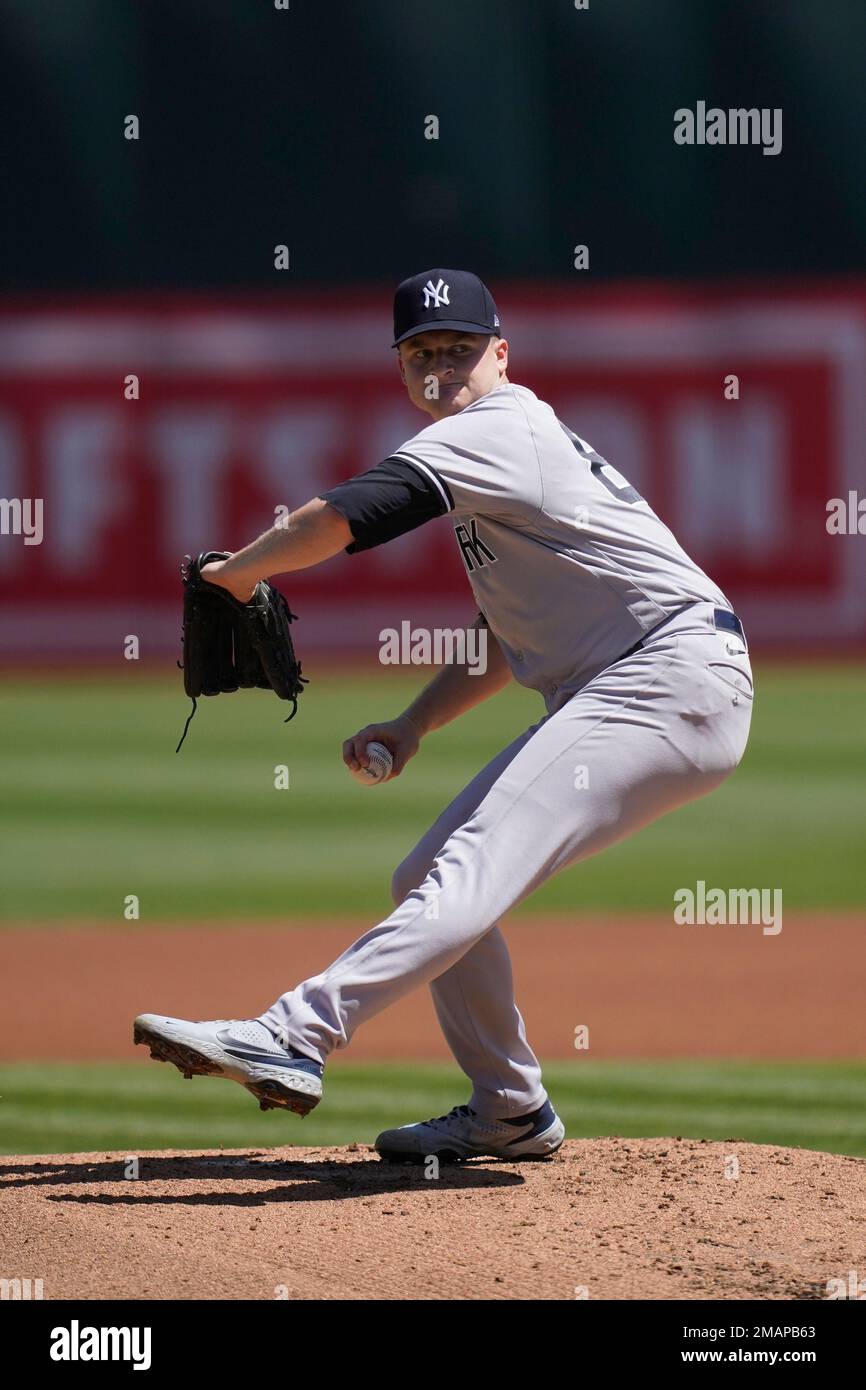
x=67, y=1108
x=95, y=804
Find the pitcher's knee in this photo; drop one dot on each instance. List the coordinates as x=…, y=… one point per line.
x=406, y=876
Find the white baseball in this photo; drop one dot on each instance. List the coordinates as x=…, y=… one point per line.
x=381, y=763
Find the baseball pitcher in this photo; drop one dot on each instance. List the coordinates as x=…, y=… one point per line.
x=587, y=598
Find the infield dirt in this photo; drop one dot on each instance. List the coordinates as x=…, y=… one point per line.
x=604, y=1218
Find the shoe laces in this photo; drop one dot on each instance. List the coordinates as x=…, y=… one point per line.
x=458, y=1112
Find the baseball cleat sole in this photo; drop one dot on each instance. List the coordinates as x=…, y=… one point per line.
x=275, y=1095
x=186, y=1059
x=451, y=1156
x=300, y=1095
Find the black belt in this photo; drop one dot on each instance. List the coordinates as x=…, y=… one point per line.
x=729, y=622
x=723, y=618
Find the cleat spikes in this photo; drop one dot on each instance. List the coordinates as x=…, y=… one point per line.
x=273, y=1096
x=296, y=1093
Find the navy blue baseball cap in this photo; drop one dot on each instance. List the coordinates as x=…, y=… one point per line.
x=443, y=299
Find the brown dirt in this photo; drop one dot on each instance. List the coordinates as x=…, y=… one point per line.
x=623, y=1219
x=632, y=1219
x=644, y=986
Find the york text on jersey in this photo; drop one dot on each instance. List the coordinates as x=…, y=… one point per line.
x=475, y=552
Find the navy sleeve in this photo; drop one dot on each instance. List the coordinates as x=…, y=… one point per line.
x=386, y=502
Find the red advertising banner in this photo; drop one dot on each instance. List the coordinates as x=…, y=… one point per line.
x=738, y=414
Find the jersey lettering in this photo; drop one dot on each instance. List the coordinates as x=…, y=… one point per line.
x=616, y=484
x=475, y=552
x=609, y=477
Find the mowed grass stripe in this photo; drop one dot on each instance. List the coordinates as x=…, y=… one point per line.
x=96, y=805
x=67, y=1108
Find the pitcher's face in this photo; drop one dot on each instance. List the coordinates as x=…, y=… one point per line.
x=444, y=370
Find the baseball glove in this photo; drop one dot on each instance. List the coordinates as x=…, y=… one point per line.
x=229, y=645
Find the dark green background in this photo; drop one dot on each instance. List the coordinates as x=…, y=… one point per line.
x=305, y=127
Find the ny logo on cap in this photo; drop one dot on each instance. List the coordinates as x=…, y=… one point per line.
x=435, y=295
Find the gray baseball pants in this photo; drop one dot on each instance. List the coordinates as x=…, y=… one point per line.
x=656, y=729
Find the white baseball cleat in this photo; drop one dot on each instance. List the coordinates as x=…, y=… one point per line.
x=463, y=1134
x=241, y=1050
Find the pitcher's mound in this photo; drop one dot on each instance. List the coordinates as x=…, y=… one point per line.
x=604, y=1218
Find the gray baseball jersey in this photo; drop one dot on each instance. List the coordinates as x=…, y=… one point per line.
x=572, y=570
x=569, y=565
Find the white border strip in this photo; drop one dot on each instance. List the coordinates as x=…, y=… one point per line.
x=428, y=471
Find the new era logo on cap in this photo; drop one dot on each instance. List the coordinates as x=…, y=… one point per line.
x=454, y=299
